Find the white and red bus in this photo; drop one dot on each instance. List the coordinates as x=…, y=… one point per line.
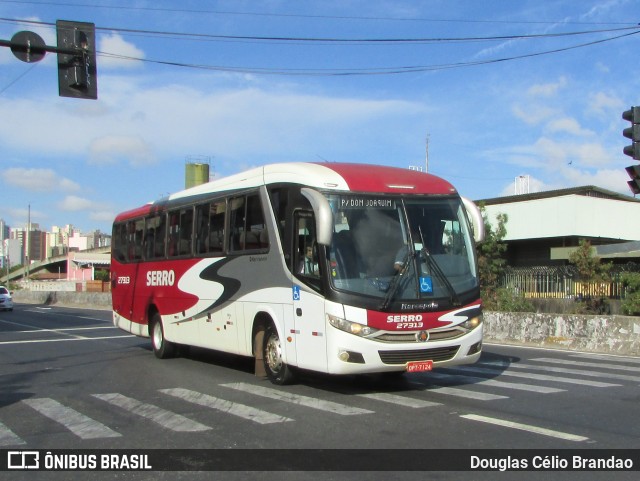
x=330, y=267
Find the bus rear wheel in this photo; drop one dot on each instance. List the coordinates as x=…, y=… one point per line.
x=277, y=371
x=162, y=348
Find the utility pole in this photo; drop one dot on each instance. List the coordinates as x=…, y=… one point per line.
x=27, y=243
x=426, y=160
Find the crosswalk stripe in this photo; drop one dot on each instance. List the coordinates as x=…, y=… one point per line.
x=525, y=427
x=236, y=409
x=400, y=400
x=79, y=424
x=8, y=437
x=298, y=399
x=608, y=357
x=464, y=393
x=496, y=383
x=166, y=419
x=539, y=377
x=599, y=365
x=580, y=372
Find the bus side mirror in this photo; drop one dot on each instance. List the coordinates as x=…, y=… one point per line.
x=324, y=216
x=475, y=216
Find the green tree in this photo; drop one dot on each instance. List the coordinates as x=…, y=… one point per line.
x=589, y=266
x=491, y=262
x=631, y=302
x=594, y=276
x=491, y=266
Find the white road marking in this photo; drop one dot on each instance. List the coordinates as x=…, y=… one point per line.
x=35, y=341
x=539, y=377
x=79, y=424
x=599, y=365
x=400, y=400
x=300, y=400
x=236, y=409
x=525, y=427
x=453, y=391
x=164, y=418
x=8, y=437
x=495, y=383
x=580, y=372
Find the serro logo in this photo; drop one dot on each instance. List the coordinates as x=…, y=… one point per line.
x=161, y=278
x=405, y=318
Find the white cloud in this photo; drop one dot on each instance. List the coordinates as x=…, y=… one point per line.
x=548, y=89
x=566, y=125
x=534, y=114
x=115, y=52
x=602, y=103
x=112, y=149
x=74, y=203
x=555, y=154
x=38, y=180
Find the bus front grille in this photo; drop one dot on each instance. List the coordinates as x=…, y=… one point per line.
x=402, y=357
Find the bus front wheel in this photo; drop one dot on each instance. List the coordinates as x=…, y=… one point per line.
x=277, y=371
x=162, y=348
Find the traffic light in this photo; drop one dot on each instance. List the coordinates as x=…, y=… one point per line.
x=77, y=73
x=633, y=132
x=634, y=183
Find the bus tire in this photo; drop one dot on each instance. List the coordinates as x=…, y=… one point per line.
x=277, y=371
x=162, y=348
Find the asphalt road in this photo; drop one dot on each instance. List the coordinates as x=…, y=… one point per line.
x=70, y=380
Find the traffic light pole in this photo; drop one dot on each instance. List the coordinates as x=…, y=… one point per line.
x=35, y=50
x=76, y=50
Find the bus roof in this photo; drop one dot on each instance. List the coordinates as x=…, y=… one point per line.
x=350, y=177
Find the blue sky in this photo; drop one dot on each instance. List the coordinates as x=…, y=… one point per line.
x=492, y=103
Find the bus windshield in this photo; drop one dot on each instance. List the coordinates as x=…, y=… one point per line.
x=401, y=249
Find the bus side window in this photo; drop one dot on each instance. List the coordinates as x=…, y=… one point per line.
x=279, y=202
x=174, y=219
x=186, y=231
x=160, y=239
x=202, y=229
x=120, y=242
x=256, y=231
x=138, y=239
x=154, y=237
x=216, y=226
x=248, y=229
x=306, y=252
x=236, y=223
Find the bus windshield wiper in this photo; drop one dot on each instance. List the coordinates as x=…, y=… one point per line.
x=433, y=265
x=396, y=281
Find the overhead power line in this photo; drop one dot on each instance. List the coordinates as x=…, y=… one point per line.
x=333, y=72
x=337, y=40
x=364, y=71
x=301, y=16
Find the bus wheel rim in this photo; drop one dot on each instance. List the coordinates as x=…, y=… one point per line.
x=157, y=336
x=273, y=354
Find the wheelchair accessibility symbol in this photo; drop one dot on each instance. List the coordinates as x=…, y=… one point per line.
x=296, y=293
x=426, y=284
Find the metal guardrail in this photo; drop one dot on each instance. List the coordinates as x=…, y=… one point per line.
x=562, y=282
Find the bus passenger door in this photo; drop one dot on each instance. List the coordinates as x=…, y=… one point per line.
x=308, y=302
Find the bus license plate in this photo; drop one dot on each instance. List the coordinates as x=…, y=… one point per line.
x=419, y=366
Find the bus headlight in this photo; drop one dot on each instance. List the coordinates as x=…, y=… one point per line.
x=472, y=323
x=351, y=327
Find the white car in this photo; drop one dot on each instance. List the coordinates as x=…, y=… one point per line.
x=6, y=303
